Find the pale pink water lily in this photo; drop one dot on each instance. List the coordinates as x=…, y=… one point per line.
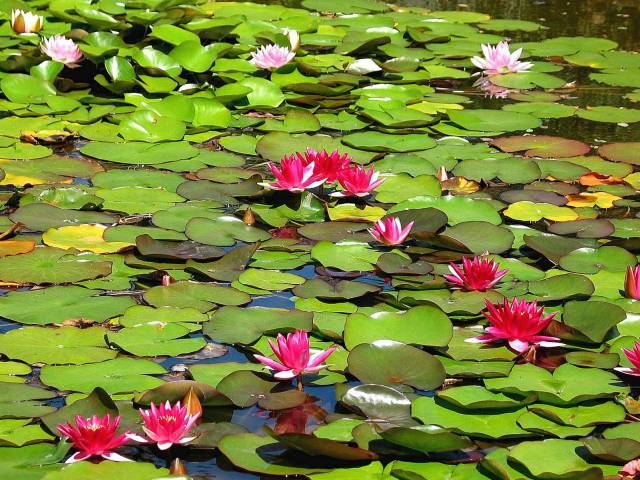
x=478, y=274
x=357, y=181
x=632, y=283
x=26, y=22
x=94, y=437
x=634, y=358
x=166, y=425
x=499, y=59
x=294, y=355
x=62, y=49
x=631, y=470
x=271, y=57
x=294, y=175
x=390, y=231
x=519, y=323
x=325, y=165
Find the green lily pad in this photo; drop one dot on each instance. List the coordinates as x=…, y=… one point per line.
x=56, y=346
x=393, y=363
x=155, y=340
x=120, y=375
x=246, y=325
x=423, y=325
x=57, y=304
x=201, y=296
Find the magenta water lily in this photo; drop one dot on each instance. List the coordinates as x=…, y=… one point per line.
x=519, y=323
x=390, y=231
x=294, y=356
x=94, y=437
x=476, y=274
x=166, y=425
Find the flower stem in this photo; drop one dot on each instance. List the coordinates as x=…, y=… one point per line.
x=299, y=386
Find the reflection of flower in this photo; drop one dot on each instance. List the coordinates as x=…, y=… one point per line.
x=519, y=323
x=326, y=165
x=479, y=274
x=357, y=181
x=271, y=56
x=491, y=90
x=26, y=22
x=61, y=49
x=294, y=355
x=632, y=282
x=634, y=358
x=94, y=437
x=165, y=425
x=499, y=59
x=296, y=420
x=294, y=175
x=390, y=231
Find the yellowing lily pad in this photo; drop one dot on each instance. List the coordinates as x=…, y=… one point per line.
x=84, y=238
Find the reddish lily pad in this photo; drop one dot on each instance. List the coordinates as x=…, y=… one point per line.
x=542, y=146
x=625, y=152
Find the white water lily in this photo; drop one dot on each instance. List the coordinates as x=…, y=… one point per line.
x=363, y=66
x=26, y=22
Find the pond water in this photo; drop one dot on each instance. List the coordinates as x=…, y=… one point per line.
x=149, y=252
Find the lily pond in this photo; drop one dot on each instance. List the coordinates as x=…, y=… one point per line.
x=330, y=239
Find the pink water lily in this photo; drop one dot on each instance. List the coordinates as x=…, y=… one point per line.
x=166, y=425
x=61, y=49
x=634, y=358
x=390, y=231
x=94, y=437
x=631, y=469
x=499, y=60
x=519, y=323
x=479, y=274
x=293, y=353
x=26, y=22
x=294, y=175
x=271, y=57
x=326, y=165
x=357, y=181
x=632, y=282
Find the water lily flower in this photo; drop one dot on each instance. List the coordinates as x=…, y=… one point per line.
x=294, y=38
x=294, y=356
x=357, y=181
x=62, y=49
x=294, y=175
x=94, y=437
x=634, y=358
x=632, y=282
x=479, y=274
x=165, y=425
x=631, y=469
x=326, y=165
x=390, y=231
x=26, y=22
x=271, y=57
x=499, y=60
x=519, y=323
